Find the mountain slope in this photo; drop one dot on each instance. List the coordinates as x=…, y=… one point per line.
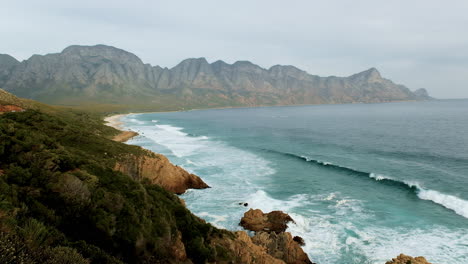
x=104, y=74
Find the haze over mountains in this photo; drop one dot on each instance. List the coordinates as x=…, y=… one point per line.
x=104, y=74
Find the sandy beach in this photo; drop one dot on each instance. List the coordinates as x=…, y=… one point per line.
x=114, y=121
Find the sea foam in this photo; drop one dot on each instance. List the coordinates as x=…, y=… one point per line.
x=234, y=173
x=448, y=201
x=456, y=204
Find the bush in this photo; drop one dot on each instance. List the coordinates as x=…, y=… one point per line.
x=64, y=255
x=58, y=181
x=13, y=250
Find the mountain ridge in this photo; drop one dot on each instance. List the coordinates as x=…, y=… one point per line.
x=105, y=74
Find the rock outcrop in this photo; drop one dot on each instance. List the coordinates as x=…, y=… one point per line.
x=270, y=234
x=10, y=108
x=404, y=259
x=244, y=250
x=124, y=136
x=256, y=220
x=9, y=103
x=281, y=246
x=104, y=74
x=159, y=170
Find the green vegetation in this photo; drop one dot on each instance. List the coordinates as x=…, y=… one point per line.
x=61, y=201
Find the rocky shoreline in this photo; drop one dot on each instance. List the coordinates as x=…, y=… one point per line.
x=124, y=135
x=270, y=233
x=270, y=243
x=151, y=166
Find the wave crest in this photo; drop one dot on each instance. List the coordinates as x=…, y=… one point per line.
x=456, y=204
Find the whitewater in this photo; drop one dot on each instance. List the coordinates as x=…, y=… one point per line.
x=360, y=181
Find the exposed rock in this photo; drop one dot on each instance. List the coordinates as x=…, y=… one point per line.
x=7, y=65
x=10, y=108
x=256, y=220
x=7, y=61
x=404, y=259
x=178, y=250
x=299, y=240
x=10, y=102
x=281, y=246
x=159, y=170
x=104, y=74
x=269, y=233
x=182, y=201
x=125, y=136
x=243, y=250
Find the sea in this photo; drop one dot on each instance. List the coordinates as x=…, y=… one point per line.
x=363, y=182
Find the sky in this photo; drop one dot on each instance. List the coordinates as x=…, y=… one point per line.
x=421, y=44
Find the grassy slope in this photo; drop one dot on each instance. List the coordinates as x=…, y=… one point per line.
x=61, y=202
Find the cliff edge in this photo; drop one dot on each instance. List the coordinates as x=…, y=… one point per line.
x=159, y=170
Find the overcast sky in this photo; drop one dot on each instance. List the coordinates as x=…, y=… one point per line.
x=419, y=43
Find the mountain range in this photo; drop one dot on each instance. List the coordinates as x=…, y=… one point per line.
x=107, y=75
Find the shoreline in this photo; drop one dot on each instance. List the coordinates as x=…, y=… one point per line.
x=114, y=118
x=114, y=122
x=287, y=243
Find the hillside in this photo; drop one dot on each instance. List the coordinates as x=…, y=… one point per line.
x=87, y=75
x=70, y=194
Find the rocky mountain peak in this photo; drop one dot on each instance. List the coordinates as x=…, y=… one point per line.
x=192, y=62
x=247, y=66
x=370, y=75
x=286, y=70
x=7, y=61
x=102, y=51
x=219, y=64
x=103, y=73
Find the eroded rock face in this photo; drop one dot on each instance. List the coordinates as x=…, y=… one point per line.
x=125, y=136
x=243, y=250
x=159, y=170
x=282, y=246
x=256, y=220
x=10, y=108
x=269, y=234
x=178, y=250
x=404, y=259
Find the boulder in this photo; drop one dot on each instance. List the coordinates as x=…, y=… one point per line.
x=256, y=220
x=299, y=240
x=242, y=250
x=281, y=246
x=404, y=259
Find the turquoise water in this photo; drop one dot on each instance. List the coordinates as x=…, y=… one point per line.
x=364, y=182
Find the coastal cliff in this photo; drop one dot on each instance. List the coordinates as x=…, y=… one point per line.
x=159, y=170
x=152, y=167
x=71, y=194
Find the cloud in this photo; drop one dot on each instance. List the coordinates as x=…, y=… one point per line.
x=416, y=43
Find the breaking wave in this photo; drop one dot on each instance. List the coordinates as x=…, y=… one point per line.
x=448, y=201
